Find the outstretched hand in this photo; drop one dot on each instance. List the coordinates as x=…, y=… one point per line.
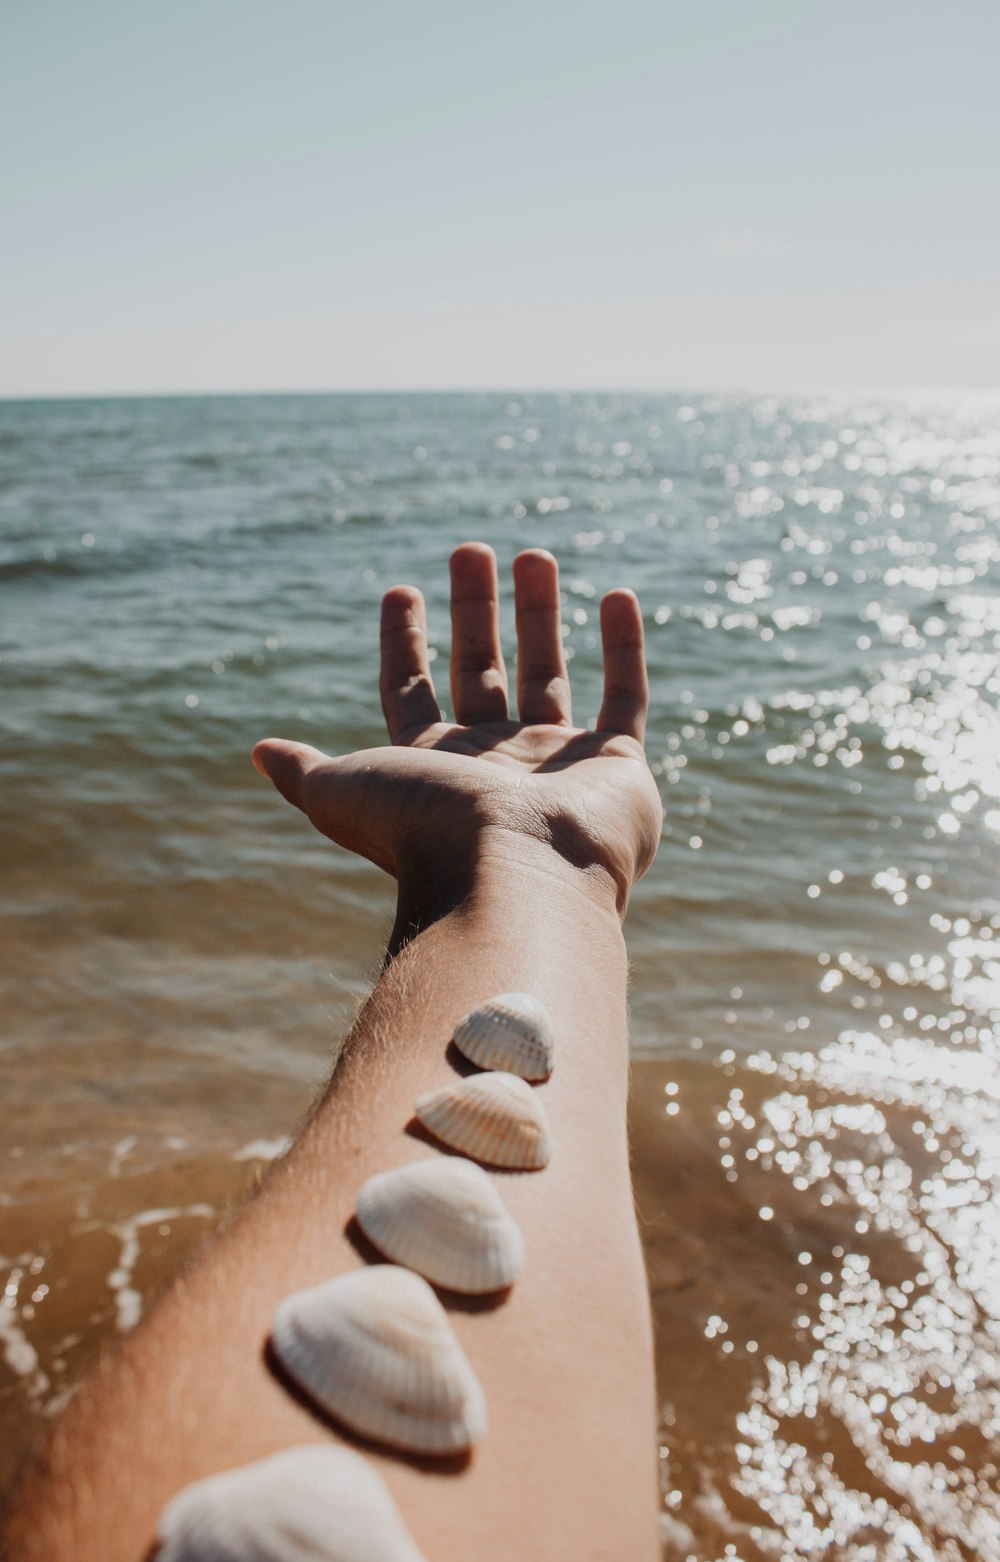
x=444, y=795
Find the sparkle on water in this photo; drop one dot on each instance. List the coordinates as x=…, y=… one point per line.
x=897, y=1334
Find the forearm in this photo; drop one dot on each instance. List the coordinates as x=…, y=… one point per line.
x=567, y=1470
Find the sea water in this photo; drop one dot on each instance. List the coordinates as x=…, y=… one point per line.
x=815, y=968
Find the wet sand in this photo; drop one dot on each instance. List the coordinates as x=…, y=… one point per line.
x=823, y=1344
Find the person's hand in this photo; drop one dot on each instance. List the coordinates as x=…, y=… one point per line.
x=445, y=797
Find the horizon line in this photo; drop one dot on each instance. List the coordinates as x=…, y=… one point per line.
x=690, y=389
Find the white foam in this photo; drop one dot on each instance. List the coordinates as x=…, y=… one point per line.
x=128, y=1301
x=18, y=1351
x=262, y=1150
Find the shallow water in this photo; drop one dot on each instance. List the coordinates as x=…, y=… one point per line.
x=815, y=956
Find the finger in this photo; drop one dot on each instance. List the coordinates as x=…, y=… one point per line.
x=287, y=765
x=478, y=675
x=626, y=687
x=405, y=684
x=543, y=693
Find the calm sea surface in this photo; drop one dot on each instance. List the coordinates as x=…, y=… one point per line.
x=816, y=967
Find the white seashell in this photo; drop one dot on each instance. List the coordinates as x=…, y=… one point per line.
x=512, y=1032
x=496, y=1118
x=311, y=1504
x=445, y=1219
x=375, y=1349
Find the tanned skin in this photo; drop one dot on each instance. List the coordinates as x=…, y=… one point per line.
x=515, y=842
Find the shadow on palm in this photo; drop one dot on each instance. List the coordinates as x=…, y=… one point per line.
x=537, y=748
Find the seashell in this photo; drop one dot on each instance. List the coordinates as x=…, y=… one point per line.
x=311, y=1504
x=496, y=1118
x=445, y=1219
x=375, y=1349
x=512, y=1032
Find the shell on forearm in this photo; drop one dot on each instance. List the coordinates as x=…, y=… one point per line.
x=511, y=1032
x=375, y=1349
x=494, y=1118
x=310, y=1504
x=445, y=1219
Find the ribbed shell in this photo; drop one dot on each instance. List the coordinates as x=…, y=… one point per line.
x=309, y=1504
x=511, y=1032
x=445, y=1219
x=375, y=1349
x=495, y=1118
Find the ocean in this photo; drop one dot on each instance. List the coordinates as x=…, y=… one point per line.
x=815, y=965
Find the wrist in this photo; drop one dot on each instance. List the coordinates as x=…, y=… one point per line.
x=502, y=869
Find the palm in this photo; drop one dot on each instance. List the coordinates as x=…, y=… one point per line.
x=439, y=785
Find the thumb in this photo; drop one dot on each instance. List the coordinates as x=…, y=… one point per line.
x=287, y=765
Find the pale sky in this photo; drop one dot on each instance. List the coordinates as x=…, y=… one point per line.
x=237, y=195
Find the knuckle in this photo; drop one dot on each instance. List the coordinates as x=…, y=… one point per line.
x=488, y=681
x=544, y=675
x=476, y=661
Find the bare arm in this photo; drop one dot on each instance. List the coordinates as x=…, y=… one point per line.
x=515, y=858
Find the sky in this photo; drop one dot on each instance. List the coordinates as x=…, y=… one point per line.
x=229, y=195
